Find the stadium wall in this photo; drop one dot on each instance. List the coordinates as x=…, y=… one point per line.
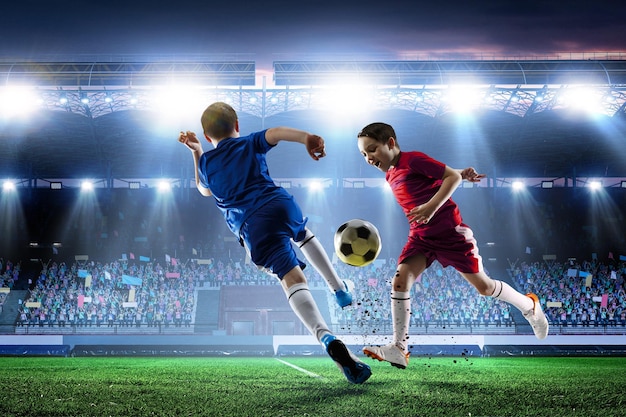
x=205, y=345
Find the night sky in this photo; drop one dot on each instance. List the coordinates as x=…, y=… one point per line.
x=277, y=30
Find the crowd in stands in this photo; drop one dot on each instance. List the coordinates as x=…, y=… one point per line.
x=588, y=294
x=3, y=296
x=137, y=223
x=9, y=274
x=100, y=294
x=440, y=298
x=96, y=294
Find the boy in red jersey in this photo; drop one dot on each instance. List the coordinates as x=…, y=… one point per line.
x=423, y=187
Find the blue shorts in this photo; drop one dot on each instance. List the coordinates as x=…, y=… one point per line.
x=268, y=234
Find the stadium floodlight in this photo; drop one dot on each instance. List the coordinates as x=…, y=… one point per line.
x=584, y=98
x=164, y=186
x=18, y=101
x=346, y=97
x=315, y=185
x=175, y=100
x=134, y=185
x=55, y=185
x=623, y=184
x=547, y=184
x=86, y=185
x=517, y=185
x=463, y=98
x=595, y=185
x=8, y=185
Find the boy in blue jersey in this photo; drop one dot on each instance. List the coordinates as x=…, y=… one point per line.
x=266, y=218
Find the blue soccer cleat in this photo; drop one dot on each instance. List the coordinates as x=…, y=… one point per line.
x=344, y=297
x=353, y=369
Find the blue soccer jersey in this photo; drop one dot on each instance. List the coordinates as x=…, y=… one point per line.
x=236, y=172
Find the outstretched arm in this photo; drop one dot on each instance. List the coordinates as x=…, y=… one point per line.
x=314, y=143
x=192, y=143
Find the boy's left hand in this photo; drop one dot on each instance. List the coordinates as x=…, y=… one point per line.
x=471, y=175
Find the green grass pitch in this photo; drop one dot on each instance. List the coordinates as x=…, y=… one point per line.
x=312, y=386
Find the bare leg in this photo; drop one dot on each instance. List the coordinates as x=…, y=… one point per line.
x=401, y=285
x=498, y=289
x=396, y=353
x=528, y=304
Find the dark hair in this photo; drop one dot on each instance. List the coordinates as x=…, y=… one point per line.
x=218, y=120
x=381, y=132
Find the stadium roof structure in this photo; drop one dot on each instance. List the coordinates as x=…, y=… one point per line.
x=100, y=120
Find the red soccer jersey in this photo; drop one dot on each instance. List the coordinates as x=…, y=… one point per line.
x=414, y=180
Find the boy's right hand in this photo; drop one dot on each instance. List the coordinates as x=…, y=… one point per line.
x=315, y=146
x=190, y=140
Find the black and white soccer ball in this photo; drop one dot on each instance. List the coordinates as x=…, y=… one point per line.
x=357, y=242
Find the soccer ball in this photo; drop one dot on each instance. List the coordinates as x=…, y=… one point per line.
x=357, y=242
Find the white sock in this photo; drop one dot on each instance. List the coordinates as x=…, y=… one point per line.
x=505, y=292
x=303, y=304
x=316, y=255
x=401, y=315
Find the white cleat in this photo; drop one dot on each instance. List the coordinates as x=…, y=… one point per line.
x=389, y=353
x=537, y=318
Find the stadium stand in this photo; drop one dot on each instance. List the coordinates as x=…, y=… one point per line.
x=223, y=296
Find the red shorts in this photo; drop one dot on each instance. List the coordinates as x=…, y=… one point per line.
x=452, y=247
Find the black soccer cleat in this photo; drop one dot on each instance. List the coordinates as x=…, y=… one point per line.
x=353, y=369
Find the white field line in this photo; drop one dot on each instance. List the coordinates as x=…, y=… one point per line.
x=304, y=371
